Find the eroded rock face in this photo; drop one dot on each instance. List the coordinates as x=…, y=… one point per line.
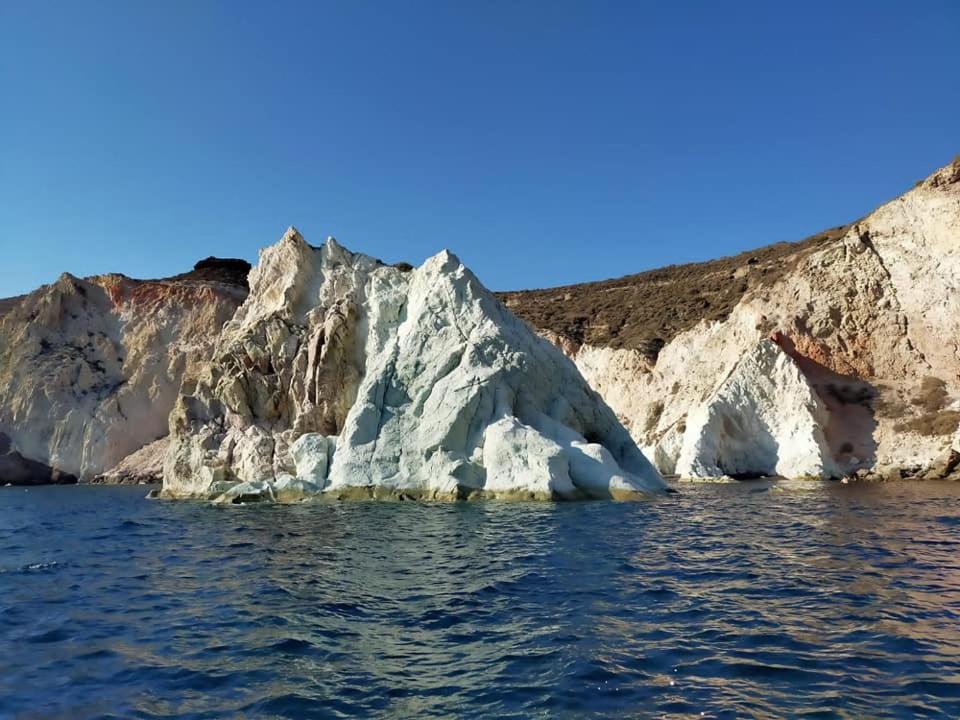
x=361, y=378
x=763, y=419
x=90, y=368
x=870, y=316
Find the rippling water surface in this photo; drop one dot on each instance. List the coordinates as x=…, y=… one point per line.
x=753, y=599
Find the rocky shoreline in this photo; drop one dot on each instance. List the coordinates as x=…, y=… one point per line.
x=323, y=370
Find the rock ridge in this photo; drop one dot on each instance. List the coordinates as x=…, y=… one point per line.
x=342, y=375
x=90, y=367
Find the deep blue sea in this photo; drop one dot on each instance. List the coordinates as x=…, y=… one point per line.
x=745, y=600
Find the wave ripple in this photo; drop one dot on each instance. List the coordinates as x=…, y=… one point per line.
x=719, y=601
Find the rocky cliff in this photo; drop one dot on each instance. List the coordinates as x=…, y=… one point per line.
x=344, y=375
x=835, y=356
x=90, y=368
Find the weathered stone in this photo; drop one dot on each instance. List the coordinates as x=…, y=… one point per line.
x=867, y=314
x=429, y=385
x=90, y=368
x=141, y=467
x=764, y=419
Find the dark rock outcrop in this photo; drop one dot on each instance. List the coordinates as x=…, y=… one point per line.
x=15, y=469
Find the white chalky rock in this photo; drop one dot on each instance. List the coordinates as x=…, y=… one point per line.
x=763, y=419
x=287, y=488
x=311, y=456
x=283, y=489
x=431, y=387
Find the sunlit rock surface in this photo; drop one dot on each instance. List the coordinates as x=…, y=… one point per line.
x=764, y=419
x=370, y=380
x=90, y=368
x=140, y=467
x=870, y=316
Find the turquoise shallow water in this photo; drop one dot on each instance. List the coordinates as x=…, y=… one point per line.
x=752, y=599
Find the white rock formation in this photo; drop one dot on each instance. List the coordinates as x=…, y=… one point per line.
x=764, y=419
x=346, y=373
x=311, y=454
x=90, y=368
x=866, y=317
x=408, y=383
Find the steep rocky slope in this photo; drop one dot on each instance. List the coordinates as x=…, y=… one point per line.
x=90, y=368
x=838, y=355
x=646, y=311
x=868, y=315
x=343, y=375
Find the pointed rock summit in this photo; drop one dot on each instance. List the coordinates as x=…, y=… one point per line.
x=763, y=419
x=344, y=376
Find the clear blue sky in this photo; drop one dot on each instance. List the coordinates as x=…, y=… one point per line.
x=543, y=142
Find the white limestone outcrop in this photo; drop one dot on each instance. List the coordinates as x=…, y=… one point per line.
x=366, y=379
x=763, y=419
x=345, y=374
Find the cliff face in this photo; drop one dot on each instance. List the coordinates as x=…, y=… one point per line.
x=345, y=376
x=835, y=356
x=868, y=314
x=90, y=368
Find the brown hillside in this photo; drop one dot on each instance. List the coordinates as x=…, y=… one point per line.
x=230, y=271
x=647, y=310
x=7, y=304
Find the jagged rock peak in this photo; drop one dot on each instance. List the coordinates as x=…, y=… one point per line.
x=292, y=234
x=358, y=377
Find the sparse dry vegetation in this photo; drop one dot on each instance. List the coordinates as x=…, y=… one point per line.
x=656, y=410
x=886, y=403
x=231, y=271
x=931, y=398
x=933, y=395
x=7, y=304
x=937, y=424
x=647, y=310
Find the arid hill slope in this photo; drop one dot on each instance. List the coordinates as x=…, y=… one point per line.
x=835, y=356
x=647, y=310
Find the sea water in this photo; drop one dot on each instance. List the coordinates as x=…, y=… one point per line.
x=755, y=599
